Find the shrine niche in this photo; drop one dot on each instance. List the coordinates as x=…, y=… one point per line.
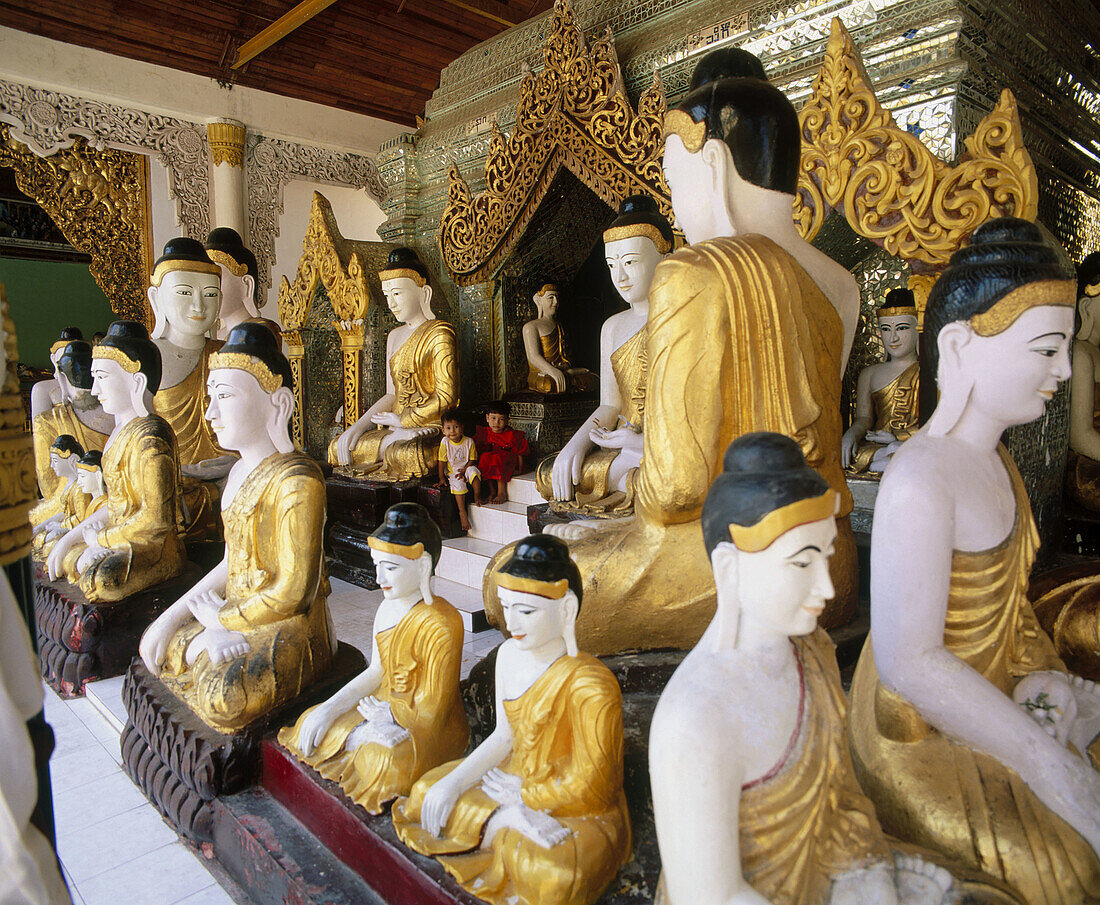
x=99, y=199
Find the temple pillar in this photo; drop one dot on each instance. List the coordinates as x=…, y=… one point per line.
x=226, y=139
x=397, y=167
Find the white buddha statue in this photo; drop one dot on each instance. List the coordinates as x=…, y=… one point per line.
x=548, y=367
x=594, y=472
x=966, y=731
x=239, y=275
x=886, y=393
x=45, y=394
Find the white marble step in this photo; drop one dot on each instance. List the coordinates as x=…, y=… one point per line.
x=464, y=559
x=106, y=697
x=498, y=524
x=521, y=489
x=467, y=601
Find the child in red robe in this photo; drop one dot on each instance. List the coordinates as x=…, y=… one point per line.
x=501, y=450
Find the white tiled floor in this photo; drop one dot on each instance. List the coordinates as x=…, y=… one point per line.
x=113, y=845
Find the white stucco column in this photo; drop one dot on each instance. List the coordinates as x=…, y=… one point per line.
x=226, y=137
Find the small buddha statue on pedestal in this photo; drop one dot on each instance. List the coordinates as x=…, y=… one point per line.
x=239, y=275
x=79, y=414
x=397, y=438
x=52, y=517
x=594, y=472
x=966, y=730
x=536, y=814
x=548, y=367
x=89, y=475
x=403, y=716
x=1083, y=467
x=186, y=298
x=886, y=393
x=255, y=631
x=754, y=794
x=132, y=543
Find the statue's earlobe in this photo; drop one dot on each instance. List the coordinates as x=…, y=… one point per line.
x=250, y=303
x=724, y=561
x=570, y=607
x=425, y=564
x=160, y=323
x=954, y=382
x=137, y=398
x=426, y=303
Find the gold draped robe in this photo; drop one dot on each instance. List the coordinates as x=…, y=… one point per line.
x=740, y=339
x=184, y=407
x=944, y=796
x=421, y=664
x=424, y=370
x=74, y=508
x=895, y=408
x=47, y=427
x=567, y=748
x=140, y=470
x=594, y=494
x=275, y=596
x=553, y=350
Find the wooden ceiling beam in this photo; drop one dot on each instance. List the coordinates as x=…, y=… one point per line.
x=279, y=29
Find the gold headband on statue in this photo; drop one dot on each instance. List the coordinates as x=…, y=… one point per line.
x=269, y=381
x=548, y=287
x=411, y=551
x=1092, y=290
x=61, y=453
x=1007, y=310
x=60, y=344
x=399, y=273
x=897, y=311
x=555, y=590
x=227, y=261
x=754, y=538
x=87, y=467
x=692, y=134
x=117, y=355
x=645, y=230
x=166, y=267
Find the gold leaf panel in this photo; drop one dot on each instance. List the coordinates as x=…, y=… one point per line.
x=99, y=199
x=574, y=113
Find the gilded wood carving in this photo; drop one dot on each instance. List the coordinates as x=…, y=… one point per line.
x=326, y=259
x=99, y=199
x=574, y=113
x=889, y=186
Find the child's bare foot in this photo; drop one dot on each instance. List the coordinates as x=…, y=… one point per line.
x=465, y=523
x=501, y=494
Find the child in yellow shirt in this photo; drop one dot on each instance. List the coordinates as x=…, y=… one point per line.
x=456, y=463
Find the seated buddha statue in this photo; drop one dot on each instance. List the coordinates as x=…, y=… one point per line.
x=45, y=394
x=595, y=471
x=1083, y=467
x=403, y=716
x=88, y=496
x=50, y=518
x=536, y=814
x=548, y=366
x=185, y=296
x=255, y=630
x=966, y=730
x=240, y=278
x=757, y=710
x=749, y=329
x=886, y=393
x=79, y=414
x=397, y=438
x=132, y=543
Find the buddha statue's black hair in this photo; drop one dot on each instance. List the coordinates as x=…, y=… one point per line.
x=228, y=240
x=761, y=472
x=726, y=63
x=408, y=524
x=76, y=364
x=1002, y=255
x=132, y=340
x=543, y=557
x=1088, y=273
x=255, y=339
x=67, y=443
x=636, y=209
x=404, y=257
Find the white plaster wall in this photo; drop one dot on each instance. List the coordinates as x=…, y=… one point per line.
x=45, y=63
x=357, y=215
x=163, y=207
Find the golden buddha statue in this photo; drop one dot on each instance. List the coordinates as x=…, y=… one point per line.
x=749, y=329
x=536, y=814
x=595, y=471
x=548, y=367
x=53, y=516
x=886, y=393
x=132, y=543
x=1083, y=467
x=966, y=731
x=403, y=716
x=254, y=631
x=77, y=414
x=397, y=438
x=185, y=295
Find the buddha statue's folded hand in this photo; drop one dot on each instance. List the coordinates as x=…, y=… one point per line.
x=206, y=607
x=569, y=465
x=386, y=734
x=1049, y=699
x=503, y=788
x=621, y=438
x=439, y=802
x=880, y=437
x=538, y=826
x=54, y=562
x=210, y=469
x=315, y=727
x=386, y=419
x=222, y=645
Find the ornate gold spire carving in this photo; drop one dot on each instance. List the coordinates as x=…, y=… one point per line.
x=99, y=199
x=574, y=113
x=889, y=186
x=226, y=142
x=18, y=487
x=326, y=259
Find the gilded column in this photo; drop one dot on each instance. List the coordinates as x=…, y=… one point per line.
x=226, y=139
x=352, y=335
x=296, y=353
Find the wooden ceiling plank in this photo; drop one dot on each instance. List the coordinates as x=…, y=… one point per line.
x=279, y=29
